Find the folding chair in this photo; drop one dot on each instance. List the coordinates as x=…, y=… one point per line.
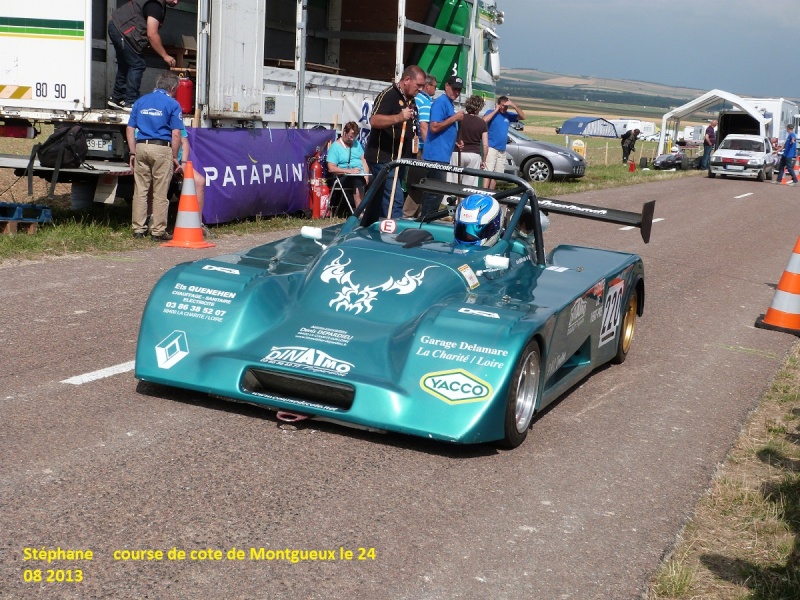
x=340, y=184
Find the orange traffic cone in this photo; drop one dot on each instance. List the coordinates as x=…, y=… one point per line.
x=188, y=227
x=784, y=312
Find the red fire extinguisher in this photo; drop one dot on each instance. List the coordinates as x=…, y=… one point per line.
x=319, y=192
x=185, y=94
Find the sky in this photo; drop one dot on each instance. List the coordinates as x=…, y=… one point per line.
x=745, y=47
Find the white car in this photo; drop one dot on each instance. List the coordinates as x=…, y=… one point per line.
x=743, y=156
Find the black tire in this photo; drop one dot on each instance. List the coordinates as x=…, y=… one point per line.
x=627, y=327
x=711, y=174
x=761, y=175
x=771, y=174
x=523, y=396
x=537, y=169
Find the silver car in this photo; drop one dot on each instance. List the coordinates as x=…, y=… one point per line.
x=542, y=161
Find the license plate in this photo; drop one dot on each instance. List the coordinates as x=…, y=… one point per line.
x=99, y=145
x=735, y=168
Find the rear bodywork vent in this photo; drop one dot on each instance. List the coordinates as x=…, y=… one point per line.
x=297, y=387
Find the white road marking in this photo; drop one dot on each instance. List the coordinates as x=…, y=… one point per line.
x=107, y=372
x=743, y=195
x=629, y=227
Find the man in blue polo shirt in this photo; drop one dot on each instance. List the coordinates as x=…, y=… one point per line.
x=788, y=155
x=442, y=135
x=499, y=119
x=155, y=154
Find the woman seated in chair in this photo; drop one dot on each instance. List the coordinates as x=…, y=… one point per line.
x=346, y=157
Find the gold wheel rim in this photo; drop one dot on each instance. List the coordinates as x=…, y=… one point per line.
x=629, y=324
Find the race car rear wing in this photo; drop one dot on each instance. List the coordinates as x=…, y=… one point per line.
x=643, y=220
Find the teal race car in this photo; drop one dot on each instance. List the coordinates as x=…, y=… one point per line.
x=388, y=325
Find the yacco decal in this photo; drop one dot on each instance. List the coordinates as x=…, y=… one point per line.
x=611, y=311
x=456, y=386
x=356, y=296
x=308, y=359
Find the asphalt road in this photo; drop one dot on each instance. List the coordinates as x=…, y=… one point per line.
x=586, y=508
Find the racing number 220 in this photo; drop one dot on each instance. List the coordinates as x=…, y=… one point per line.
x=59, y=90
x=611, y=311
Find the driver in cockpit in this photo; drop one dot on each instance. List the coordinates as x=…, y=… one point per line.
x=477, y=221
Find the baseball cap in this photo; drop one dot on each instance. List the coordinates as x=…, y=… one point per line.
x=456, y=82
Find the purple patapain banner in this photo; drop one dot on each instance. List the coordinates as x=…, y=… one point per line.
x=251, y=172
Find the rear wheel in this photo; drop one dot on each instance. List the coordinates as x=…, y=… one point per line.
x=627, y=328
x=523, y=396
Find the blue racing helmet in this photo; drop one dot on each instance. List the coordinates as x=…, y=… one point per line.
x=477, y=221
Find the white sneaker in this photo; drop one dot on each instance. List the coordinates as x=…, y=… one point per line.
x=791, y=183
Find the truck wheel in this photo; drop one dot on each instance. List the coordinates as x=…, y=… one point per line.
x=81, y=195
x=523, y=396
x=761, y=176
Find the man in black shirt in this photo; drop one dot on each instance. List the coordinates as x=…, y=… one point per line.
x=133, y=27
x=393, y=108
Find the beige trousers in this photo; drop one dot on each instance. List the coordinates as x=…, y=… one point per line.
x=153, y=165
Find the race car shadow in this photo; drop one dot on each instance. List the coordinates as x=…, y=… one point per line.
x=306, y=426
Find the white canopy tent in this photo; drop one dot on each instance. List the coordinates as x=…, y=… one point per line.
x=708, y=99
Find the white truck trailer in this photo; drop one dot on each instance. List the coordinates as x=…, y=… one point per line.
x=283, y=71
x=776, y=113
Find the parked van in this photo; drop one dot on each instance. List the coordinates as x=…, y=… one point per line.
x=645, y=127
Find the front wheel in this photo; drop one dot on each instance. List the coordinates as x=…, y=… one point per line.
x=627, y=328
x=537, y=170
x=523, y=396
x=761, y=175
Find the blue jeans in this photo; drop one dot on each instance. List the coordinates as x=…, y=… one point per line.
x=788, y=164
x=397, y=207
x=130, y=68
x=706, y=156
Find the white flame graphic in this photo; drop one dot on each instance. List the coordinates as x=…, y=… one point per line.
x=354, y=297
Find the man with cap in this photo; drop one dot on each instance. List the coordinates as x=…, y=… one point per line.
x=499, y=120
x=442, y=136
